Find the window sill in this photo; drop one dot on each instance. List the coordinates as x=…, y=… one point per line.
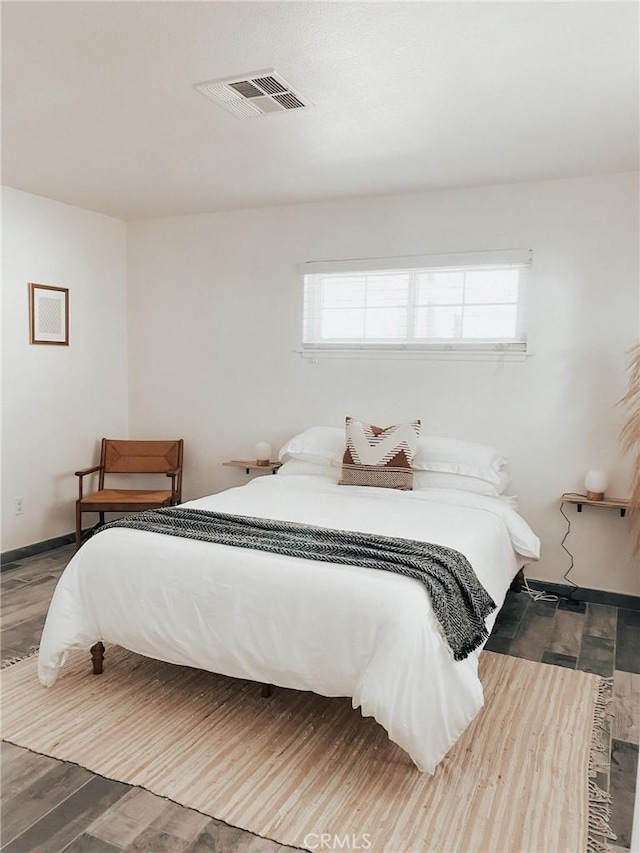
x=315, y=355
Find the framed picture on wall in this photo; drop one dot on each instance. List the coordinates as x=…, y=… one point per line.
x=48, y=314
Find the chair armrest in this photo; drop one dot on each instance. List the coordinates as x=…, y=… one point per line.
x=83, y=472
x=173, y=474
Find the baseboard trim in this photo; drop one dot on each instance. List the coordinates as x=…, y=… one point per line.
x=595, y=596
x=8, y=557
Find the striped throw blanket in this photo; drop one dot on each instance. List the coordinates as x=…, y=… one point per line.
x=459, y=601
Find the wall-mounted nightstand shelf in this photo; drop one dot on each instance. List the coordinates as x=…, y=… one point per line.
x=611, y=503
x=570, y=602
x=250, y=465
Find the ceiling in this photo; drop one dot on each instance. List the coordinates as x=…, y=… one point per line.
x=99, y=108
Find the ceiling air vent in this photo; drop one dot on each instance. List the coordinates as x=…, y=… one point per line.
x=253, y=95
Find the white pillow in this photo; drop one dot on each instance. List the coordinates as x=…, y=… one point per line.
x=322, y=445
x=511, y=500
x=477, y=485
x=421, y=479
x=455, y=456
x=293, y=467
x=325, y=445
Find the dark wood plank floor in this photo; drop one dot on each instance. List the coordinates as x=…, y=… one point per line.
x=50, y=806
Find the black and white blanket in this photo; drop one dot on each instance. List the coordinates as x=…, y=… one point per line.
x=459, y=600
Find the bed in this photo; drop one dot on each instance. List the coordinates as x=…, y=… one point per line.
x=337, y=630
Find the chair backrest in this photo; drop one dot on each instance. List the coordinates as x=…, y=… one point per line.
x=120, y=456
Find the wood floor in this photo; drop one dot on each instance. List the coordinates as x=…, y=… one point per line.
x=50, y=806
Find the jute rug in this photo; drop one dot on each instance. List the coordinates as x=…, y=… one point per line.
x=298, y=768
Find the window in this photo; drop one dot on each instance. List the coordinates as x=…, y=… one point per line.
x=470, y=303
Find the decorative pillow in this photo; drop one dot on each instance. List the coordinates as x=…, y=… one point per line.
x=379, y=456
x=455, y=456
x=321, y=445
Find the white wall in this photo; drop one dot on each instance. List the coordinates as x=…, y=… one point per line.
x=215, y=307
x=58, y=401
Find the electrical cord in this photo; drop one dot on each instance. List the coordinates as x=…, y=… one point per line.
x=538, y=594
x=564, y=538
x=542, y=595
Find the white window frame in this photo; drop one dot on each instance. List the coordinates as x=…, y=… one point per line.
x=407, y=347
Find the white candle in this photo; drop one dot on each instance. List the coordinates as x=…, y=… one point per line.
x=263, y=453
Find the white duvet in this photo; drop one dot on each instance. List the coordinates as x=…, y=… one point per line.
x=333, y=629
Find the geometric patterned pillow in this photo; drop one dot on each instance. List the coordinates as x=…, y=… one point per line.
x=379, y=456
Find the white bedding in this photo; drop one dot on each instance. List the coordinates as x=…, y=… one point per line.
x=337, y=630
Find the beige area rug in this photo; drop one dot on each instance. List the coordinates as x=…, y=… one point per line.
x=298, y=767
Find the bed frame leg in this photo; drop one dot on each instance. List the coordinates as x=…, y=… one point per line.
x=266, y=690
x=97, y=656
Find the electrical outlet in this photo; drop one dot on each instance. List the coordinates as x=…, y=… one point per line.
x=18, y=506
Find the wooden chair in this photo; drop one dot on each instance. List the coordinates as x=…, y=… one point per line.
x=131, y=457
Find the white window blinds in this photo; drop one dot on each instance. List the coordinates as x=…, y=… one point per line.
x=472, y=303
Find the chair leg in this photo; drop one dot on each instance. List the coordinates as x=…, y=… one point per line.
x=101, y=514
x=78, y=525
